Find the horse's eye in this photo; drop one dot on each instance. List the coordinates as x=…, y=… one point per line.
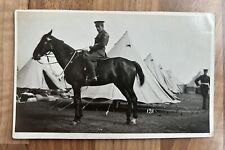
x=45, y=42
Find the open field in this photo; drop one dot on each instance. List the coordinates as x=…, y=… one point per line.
x=185, y=117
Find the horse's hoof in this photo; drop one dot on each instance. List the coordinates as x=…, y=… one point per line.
x=134, y=121
x=106, y=113
x=75, y=122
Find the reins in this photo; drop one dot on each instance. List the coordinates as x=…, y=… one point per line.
x=68, y=63
x=75, y=51
x=64, y=69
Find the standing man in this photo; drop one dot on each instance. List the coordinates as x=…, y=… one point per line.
x=205, y=82
x=97, y=51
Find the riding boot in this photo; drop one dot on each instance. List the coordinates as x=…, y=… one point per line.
x=91, y=70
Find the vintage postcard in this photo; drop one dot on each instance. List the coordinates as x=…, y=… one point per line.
x=113, y=74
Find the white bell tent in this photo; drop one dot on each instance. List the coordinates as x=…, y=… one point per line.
x=157, y=72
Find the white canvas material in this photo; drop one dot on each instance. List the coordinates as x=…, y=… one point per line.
x=154, y=68
x=171, y=81
x=31, y=76
x=150, y=92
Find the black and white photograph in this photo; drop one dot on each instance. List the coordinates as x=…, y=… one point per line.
x=113, y=74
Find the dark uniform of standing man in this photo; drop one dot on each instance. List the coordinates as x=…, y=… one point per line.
x=205, y=82
x=97, y=51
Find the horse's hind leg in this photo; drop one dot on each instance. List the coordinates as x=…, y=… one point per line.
x=129, y=110
x=134, y=102
x=129, y=106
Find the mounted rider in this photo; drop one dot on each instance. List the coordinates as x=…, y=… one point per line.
x=97, y=51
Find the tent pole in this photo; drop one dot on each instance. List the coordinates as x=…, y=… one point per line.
x=60, y=109
x=106, y=113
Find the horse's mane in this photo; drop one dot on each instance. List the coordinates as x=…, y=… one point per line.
x=66, y=46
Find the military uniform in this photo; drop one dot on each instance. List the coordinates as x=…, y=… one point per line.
x=98, y=50
x=205, y=82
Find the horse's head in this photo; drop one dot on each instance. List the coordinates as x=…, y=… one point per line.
x=44, y=46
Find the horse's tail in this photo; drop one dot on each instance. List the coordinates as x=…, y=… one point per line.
x=139, y=72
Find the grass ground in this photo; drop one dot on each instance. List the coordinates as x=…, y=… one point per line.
x=38, y=117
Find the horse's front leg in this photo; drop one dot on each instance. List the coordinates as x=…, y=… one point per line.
x=77, y=105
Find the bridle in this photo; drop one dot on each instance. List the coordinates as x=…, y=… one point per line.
x=49, y=53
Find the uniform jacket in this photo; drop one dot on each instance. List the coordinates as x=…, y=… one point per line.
x=203, y=79
x=98, y=49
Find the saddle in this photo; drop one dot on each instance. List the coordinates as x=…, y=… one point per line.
x=96, y=61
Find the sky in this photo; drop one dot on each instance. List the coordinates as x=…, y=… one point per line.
x=180, y=42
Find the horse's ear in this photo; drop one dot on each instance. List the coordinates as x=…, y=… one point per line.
x=50, y=33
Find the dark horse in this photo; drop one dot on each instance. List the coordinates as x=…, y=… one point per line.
x=119, y=71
